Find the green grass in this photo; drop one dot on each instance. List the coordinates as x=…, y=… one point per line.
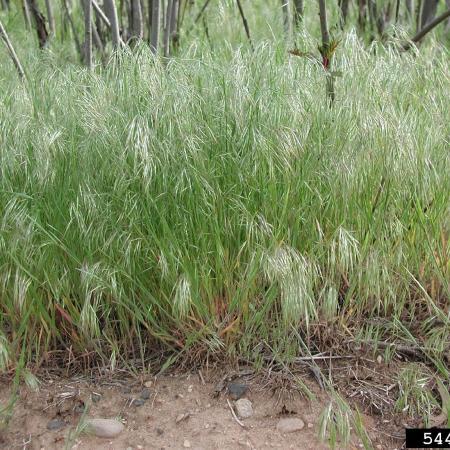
x=218, y=206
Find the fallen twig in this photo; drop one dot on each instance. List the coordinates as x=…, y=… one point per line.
x=234, y=415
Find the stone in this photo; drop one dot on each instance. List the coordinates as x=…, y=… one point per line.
x=186, y=444
x=104, y=428
x=148, y=384
x=56, y=424
x=237, y=390
x=138, y=402
x=244, y=408
x=290, y=425
x=181, y=417
x=145, y=394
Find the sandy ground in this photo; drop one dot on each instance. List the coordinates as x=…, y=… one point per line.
x=158, y=423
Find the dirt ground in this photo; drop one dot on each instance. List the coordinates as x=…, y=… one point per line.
x=181, y=411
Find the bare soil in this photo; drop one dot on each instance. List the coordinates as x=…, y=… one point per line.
x=158, y=423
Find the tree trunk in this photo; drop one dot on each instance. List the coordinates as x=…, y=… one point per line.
x=39, y=22
x=72, y=26
x=409, y=8
x=174, y=23
x=167, y=16
x=286, y=19
x=343, y=5
x=137, y=24
x=87, y=7
x=428, y=12
x=325, y=52
x=111, y=13
x=50, y=16
x=362, y=14
x=324, y=24
x=156, y=13
x=298, y=12
x=245, y=23
x=26, y=14
x=12, y=53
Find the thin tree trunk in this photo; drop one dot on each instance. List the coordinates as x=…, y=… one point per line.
x=418, y=14
x=343, y=5
x=428, y=12
x=11, y=51
x=286, y=18
x=39, y=22
x=96, y=39
x=50, y=16
x=362, y=13
x=325, y=51
x=173, y=20
x=156, y=13
x=298, y=12
x=167, y=16
x=397, y=11
x=245, y=23
x=199, y=15
x=137, y=24
x=409, y=8
x=26, y=14
x=87, y=33
x=72, y=26
x=111, y=13
x=323, y=23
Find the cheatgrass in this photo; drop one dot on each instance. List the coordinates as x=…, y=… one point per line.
x=217, y=205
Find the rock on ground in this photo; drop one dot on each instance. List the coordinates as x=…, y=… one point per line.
x=237, y=390
x=56, y=424
x=290, y=425
x=105, y=428
x=244, y=408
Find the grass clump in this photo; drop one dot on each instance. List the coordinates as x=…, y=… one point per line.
x=219, y=203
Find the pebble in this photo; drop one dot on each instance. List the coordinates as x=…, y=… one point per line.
x=379, y=359
x=105, y=428
x=56, y=424
x=148, y=384
x=145, y=394
x=138, y=402
x=290, y=425
x=237, y=390
x=310, y=425
x=181, y=417
x=190, y=388
x=244, y=408
x=186, y=444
